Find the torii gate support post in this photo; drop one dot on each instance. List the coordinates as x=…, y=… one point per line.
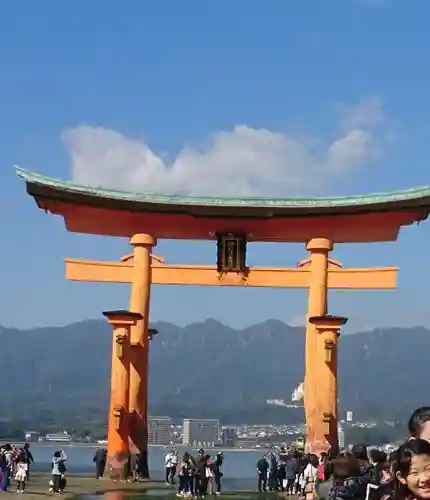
x=328, y=331
x=118, y=454
x=139, y=303
x=319, y=249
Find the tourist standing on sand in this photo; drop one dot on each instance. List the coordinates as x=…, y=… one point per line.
x=185, y=475
x=170, y=464
x=99, y=459
x=29, y=458
x=262, y=472
x=219, y=459
x=200, y=474
x=209, y=476
x=273, y=472
x=58, y=470
x=291, y=470
x=21, y=471
x=2, y=468
x=15, y=453
x=6, y=466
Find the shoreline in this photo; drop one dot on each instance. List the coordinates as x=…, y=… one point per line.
x=78, y=444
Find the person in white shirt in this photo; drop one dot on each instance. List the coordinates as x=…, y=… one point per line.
x=310, y=476
x=170, y=464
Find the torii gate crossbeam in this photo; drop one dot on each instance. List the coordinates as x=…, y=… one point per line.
x=162, y=274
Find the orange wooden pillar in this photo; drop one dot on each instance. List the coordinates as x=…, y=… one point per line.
x=139, y=303
x=328, y=331
x=319, y=249
x=118, y=455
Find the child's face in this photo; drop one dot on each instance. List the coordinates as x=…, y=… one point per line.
x=418, y=479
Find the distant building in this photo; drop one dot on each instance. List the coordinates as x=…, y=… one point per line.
x=298, y=393
x=228, y=437
x=159, y=430
x=200, y=432
x=59, y=437
x=349, y=416
x=276, y=402
x=32, y=435
x=341, y=436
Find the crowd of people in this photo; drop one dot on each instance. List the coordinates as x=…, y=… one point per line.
x=356, y=474
x=15, y=465
x=296, y=473
x=197, y=476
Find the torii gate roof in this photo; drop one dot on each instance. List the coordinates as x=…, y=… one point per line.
x=364, y=218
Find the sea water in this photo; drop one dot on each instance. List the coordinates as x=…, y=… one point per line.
x=239, y=467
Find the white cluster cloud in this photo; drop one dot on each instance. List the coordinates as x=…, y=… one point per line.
x=244, y=161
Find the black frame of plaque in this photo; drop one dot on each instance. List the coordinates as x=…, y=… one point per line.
x=231, y=253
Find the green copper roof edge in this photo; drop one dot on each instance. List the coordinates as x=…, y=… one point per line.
x=369, y=199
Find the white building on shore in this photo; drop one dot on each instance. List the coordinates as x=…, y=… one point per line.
x=201, y=432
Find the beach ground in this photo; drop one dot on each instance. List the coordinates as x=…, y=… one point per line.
x=82, y=486
x=38, y=487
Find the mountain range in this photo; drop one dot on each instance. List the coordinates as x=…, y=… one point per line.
x=209, y=369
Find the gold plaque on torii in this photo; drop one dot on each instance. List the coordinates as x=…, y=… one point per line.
x=231, y=253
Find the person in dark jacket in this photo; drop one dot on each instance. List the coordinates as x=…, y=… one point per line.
x=262, y=472
x=281, y=475
x=282, y=460
x=291, y=470
x=380, y=483
x=273, y=472
x=346, y=479
x=100, y=460
x=378, y=459
x=359, y=451
x=200, y=482
x=29, y=458
x=6, y=466
x=304, y=459
x=217, y=464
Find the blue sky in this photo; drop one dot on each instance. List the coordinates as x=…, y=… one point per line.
x=278, y=97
